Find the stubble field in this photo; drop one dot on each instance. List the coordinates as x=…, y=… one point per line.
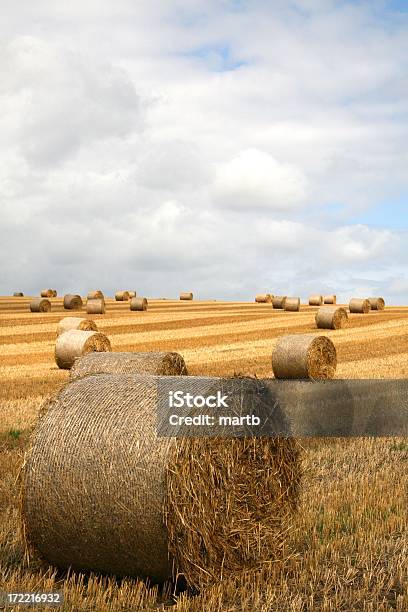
x=350, y=546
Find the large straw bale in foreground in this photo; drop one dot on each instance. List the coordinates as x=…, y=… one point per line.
x=122, y=296
x=377, y=303
x=127, y=502
x=292, y=304
x=47, y=293
x=138, y=303
x=40, y=305
x=263, y=298
x=304, y=356
x=95, y=306
x=329, y=299
x=359, y=305
x=332, y=317
x=315, y=300
x=95, y=295
x=278, y=301
x=75, y=343
x=166, y=364
x=186, y=295
x=72, y=301
x=68, y=323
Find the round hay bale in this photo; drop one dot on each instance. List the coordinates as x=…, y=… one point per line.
x=329, y=299
x=377, y=303
x=68, y=323
x=278, y=301
x=47, y=293
x=75, y=343
x=187, y=295
x=95, y=295
x=292, y=304
x=166, y=364
x=263, y=298
x=40, y=305
x=332, y=318
x=122, y=296
x=138, y=303
x=72, y=302
x=304, y=356
x=132, y=294
x=315, y=300
x=54, y=293
x=18, y=294
x=359, y=305
x=127, y=502
x=95, y=306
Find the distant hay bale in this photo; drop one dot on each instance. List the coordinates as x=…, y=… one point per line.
x=329, y=299
x=96, y=306
x=132, y=294
x=166, y=364
x=129, y=503
x=95, y=295
x=304, y=356
x=54, y=293
x=332, y=318
x=263, y=298
x=315, y=300
x=187, y=295
x=138, y=303
x=278, y=301
x=18, y=294
x=40, y=305
x=377, y=303
x=122, y=296
x=292, y=304
x=75, y=343
x=72, y=302
x=47, y=293
x=68, y=323
x=359, y=305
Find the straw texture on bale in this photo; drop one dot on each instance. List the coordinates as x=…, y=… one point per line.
x=292, y=304
x=377, y=303
x=95, y=295
x=75, y=343
x=186, y=295
x=72, y=302
x=132, y=294
x=278, y=301
x=329, y=299
x=263, y=298
x=122, y=296
x=332, y=318
x=47, y=293
x=166, y=364
x=68, y=323
x=132, y=503
x=304, y=356
x=95, y=306
x=359, y=305
x=40, y=305
x=315, y=300
x=138, y=303
x=18, y=294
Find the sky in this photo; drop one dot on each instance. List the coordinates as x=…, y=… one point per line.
x=225, y=147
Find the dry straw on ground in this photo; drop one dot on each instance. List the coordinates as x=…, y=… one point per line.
x=95, y=295
x=166, y=364
x=18, y=294
x=263, y=298
x=186, y=295
x=329, y=299
x=122, y=296
x=68, y=323
x=75, y=343
x=377, y=303
x=304, y=356
x=315, y=300
x=332, y=317
x=138, y=303
x=208, y=508
x=278, y=301
x=292, y=304
x=40, y=305
x=359, y=305
x=72, y=302
x=95, y=306
x=47, y=293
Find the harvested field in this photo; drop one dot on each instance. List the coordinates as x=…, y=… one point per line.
x=349, y=550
